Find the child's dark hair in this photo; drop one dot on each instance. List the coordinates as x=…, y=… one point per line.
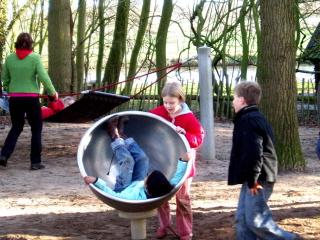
x=250, y=91
x=157, y=184
x=24, y=41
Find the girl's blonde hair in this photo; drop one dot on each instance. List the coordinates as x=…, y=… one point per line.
x=173, y=89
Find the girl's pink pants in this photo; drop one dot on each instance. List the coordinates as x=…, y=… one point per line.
x=183, y=211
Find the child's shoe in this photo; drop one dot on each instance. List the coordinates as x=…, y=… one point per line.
x=112, y=127
x=186, y=237
x=121, y=124
x=37, y=166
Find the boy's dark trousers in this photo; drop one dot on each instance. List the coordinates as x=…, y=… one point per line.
x=19, y=108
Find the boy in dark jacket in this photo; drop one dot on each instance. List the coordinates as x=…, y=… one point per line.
x=253, y=163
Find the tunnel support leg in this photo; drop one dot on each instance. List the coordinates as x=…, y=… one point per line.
x=138, y=223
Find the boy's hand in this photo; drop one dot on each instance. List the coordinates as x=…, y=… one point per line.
x=254, y=190
x=186, y=156
x=180, y=130
x=89, y=179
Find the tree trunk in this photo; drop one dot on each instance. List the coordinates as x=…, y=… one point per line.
x=118, y=47
x=33, y=19
x=276, y=74
x=317, y=87
x=245, y=43
x=43, y=30
x=197, y=13
x=3, y=23
x=80, y=44
x=137, y=46
x=161, y=41
x=3, y=32
x=101, y=42
x=59, y=43
x=89, y=45
x=255, y=15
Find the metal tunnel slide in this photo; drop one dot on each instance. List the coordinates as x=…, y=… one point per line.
x=155, y=135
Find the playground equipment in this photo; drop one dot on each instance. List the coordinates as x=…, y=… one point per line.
x=90, y=106
x=161, y=143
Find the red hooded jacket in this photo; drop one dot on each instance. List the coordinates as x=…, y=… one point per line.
x=22, y=53
x=187, y=121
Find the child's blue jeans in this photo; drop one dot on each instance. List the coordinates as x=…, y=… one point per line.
x=254, y=218
x=4, y=104
x=132, y=162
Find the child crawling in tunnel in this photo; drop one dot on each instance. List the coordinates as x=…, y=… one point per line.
x=56, y=105
x=133, y=181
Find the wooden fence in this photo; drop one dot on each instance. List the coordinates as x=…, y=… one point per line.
x=307, y=101
x=307, y=106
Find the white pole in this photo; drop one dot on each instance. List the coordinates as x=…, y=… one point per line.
x=206, y=103
x=138, y=223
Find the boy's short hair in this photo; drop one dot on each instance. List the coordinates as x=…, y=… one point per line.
x=157, y=184
x=173, y=89
x=250, y=91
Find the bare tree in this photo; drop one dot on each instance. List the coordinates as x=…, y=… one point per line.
x=3, y=30
x=144, y=16
x=80, y=44
x=118, y=48
x=161, y=41
x=101, y=20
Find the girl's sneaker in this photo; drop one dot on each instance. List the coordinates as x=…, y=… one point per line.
x=161, y=233
x=186, y=237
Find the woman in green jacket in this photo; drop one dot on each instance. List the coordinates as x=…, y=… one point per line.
x=22, y=74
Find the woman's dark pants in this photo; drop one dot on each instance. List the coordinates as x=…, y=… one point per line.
x=21, y=107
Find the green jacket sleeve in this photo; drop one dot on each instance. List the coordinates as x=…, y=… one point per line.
x=44, y=77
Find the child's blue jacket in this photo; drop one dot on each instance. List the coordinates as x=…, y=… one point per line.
x=136, y=190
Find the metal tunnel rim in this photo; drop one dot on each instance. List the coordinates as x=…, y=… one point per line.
x=106, y=195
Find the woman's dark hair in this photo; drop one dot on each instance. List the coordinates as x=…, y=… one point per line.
x=157, y=184
x=24, y=41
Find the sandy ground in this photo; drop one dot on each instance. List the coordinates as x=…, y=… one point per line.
x=55, y=204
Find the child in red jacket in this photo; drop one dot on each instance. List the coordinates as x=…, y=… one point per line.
x=176, y=111
x=56, y=106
